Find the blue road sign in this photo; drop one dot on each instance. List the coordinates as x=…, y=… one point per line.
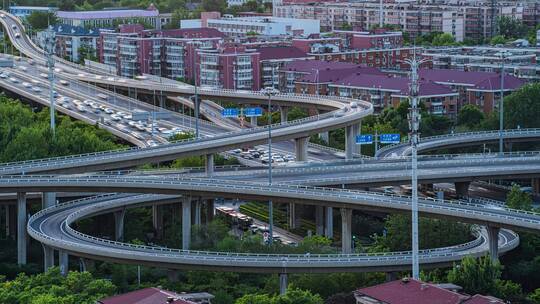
x=229, y=112
x=252, y=112
x=365, y=139
x=390, y=138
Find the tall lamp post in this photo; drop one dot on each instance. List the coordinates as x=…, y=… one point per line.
x=49, y=47
x=414, y=124
x=269, y=92
x=501, y=105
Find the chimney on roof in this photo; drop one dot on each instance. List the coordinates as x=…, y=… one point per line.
x=405, y=280
x=170, y=299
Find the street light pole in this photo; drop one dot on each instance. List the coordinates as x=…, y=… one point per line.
x=270, y=91
x=501, y=106
x=49, y=44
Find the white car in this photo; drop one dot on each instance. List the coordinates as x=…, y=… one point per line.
x=14, y=80
x=27, y=85
x=109, y=111
x=116, y=117
x=81, y=108
x=17, y=35
x=43, y=75
x=3, y=76
x=87, y=102
x=64, y=82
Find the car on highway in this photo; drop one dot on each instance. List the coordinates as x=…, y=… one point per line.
x=14, y=26
x=64, y=82
x=81, y=108
x=2, y=16
x=13, y=79
x=116, y=117
x=43, y=75
x=4, y=76
x=109, y=111
x=27, y=85
x=87, y=102
x=22, y=68
x=31, y=62
x=17, y=35
x=102, y=96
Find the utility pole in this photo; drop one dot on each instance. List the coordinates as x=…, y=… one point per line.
x=49, y=48
x=196, y=103
x=414, y=135
x=501, y=106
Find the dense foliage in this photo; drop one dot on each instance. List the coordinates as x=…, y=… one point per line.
x=53, y=288
x=26, y=135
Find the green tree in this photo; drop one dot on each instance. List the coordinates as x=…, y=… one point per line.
x=179, y=14
x=511, y=28
x=470, y=116
x=52, y=287
x=39, y=20
x=292, y=296
x=214, y=5
x=443, y=39
x=498, y=39
x=535, y=296
x=521, y=108
x=483, y=276
x=517, y=199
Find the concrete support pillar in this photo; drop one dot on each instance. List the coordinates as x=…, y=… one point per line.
x=493, y=239
x=350, y=142
x=357, y=131
x=292, y=216
x=119, y=224
x=197, y=215
x=12, y=218
x=209, y=165
x=157, y=220
x=63, y=261
x=301, y=148
x=346, y=234
x=391, y=276
x=319, y=220
x=209, y=210
x=535, y=184
x=329, y=223
x=283, y=111
x=282, y=283
x=22, y=235
x=440, y=195
x=6, y=220
x=48, y=199
x=462, y=189
x=48, y=257
x=186, y=222
x=324, y=136
x=253, y=120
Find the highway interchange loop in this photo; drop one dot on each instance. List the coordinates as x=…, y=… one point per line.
x=51, y=226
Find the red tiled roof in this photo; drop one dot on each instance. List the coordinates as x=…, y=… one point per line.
x=412, y=292
x=150, y=295
x=201, y=32
x=477, y=80
x=400, y=85
x=280, y=52
x=480, y=299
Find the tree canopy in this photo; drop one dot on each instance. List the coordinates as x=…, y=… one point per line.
x=52, y=288
x=40, y=20
x=517, y=199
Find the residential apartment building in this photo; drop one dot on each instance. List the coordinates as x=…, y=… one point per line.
x=273, y=58
x=520, y=62
x=229, y=66
x=442, y=91
x=72, y=41
x=256, y=25
x=168, y=53
x=462, y=19
x=110, y=18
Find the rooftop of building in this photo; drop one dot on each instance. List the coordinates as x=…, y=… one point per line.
x=410, y=291
x=109, y=14
x=151, y=295
x=201, y=32
x=482, y=81
x=69, y=30
x=36, y=8
x=319, y=71
x=280, y=52
x=397, y=85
